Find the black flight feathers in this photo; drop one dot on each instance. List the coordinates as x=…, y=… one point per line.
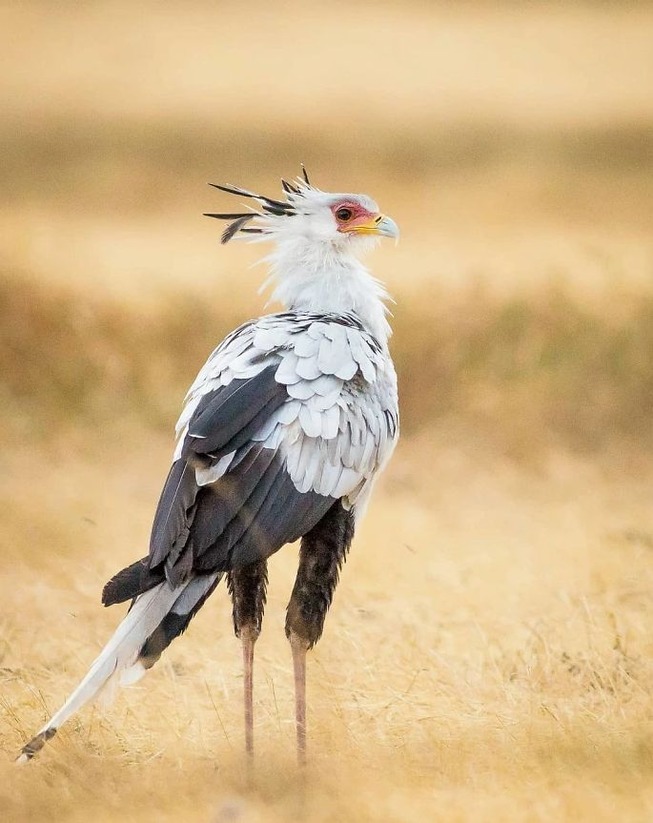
x=239, y=518
x=239, y=220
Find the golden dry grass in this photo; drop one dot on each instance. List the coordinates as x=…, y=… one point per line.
x=488, y=655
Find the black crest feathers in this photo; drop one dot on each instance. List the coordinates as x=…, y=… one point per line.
x=238, y=221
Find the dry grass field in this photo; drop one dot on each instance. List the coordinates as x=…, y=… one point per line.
x=489, y=655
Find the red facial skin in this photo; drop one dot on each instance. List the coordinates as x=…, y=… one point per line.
x=359, y=216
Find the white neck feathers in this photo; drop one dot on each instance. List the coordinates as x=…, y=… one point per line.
x=323, y=277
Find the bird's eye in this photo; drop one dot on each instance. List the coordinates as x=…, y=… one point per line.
x=344, y=214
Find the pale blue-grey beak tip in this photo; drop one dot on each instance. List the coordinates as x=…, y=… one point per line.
x=387, y=227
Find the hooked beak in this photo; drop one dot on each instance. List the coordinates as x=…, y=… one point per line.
x=381, y=225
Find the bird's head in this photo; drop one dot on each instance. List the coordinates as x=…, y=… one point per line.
x=345, y=223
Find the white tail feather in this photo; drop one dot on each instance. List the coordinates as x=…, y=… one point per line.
x=120, y=654
x=119, y=662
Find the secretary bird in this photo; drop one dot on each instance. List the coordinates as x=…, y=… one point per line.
x=281, y=437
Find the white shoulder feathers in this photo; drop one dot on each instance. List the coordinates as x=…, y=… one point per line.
x=339, y=422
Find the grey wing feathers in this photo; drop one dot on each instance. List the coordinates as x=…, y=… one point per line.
x=290, y=413
x=232, y=414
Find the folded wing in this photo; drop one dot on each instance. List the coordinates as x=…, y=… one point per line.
x=285, y=419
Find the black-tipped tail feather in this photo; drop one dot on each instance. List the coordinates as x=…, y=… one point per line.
x=176, y=621
x=155, y=618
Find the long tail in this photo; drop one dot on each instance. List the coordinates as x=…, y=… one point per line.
x=153, y=621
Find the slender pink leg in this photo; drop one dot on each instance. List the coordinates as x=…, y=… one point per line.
x=247, y=586
x=248, y=683
x=299, y=648
x=321, y=555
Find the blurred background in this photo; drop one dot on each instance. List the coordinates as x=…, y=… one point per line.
x=513, y=144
